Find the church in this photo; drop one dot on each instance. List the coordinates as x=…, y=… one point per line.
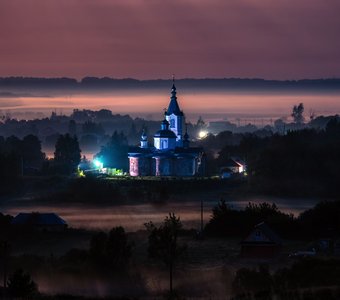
x=171, y=154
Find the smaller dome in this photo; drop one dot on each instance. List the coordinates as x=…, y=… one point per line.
x=165, y=125
x=165, y=133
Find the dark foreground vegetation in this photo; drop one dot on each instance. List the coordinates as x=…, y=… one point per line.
x=124, y=261
x=319, y=222
x=91, y=191
x=306, y=279
x=298, y=163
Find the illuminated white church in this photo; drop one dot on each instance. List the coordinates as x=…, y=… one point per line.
x=171, y=154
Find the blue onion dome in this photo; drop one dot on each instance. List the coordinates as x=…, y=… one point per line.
x=165, y=125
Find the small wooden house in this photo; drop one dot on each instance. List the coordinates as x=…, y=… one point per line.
x=262, y=242
x=232, y=167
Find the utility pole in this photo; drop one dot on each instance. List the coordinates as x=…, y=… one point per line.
x=201, y=216
x=5, y=250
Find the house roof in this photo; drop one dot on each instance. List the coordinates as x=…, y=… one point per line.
x=270, y=237
x=226, y=169
x=165, y=133
x=231, y=163
x=138, y=150
x=38, y=219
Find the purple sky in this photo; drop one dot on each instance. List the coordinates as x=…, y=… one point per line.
x=274, y=39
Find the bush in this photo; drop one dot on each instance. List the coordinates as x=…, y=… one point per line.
x=21, y=285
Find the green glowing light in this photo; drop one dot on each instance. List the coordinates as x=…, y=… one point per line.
x=97, y=164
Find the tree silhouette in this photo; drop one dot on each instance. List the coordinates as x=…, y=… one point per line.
x=114, y=153
x=32, y=154
x=297, y=113
x=98, y=247
x=111, y=249
x=5, y=250
x=117, y=247
x=21, y=285
x=67, y=153
x=163, y=243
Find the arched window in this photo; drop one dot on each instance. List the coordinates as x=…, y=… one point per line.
x=172, y=123
x=164, y=144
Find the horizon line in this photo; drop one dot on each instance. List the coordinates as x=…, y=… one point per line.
x=79, y=80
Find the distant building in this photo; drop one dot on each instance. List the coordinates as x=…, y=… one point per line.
x=219, y=126
x=171, y=154
x=40, y=221
x=262, y=242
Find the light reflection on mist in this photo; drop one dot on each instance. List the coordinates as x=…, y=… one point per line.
x=132, y=217
x=90, y=284
x=203, y=282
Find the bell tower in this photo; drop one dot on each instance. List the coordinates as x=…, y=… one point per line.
x=175, y=116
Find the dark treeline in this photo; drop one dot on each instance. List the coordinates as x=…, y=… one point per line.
x=307, y=279
x=93, y=128
x=318, y=222
x=112, y=255
x=93, y=191
x=298, y=163
x=205, y=83
x=18, y=156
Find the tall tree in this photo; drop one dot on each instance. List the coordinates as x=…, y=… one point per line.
x=67, y=153
x=297, y=113
x=21, y=286
x=114, y=153
x=111, y=249
x=32, y=154
x=163, y=243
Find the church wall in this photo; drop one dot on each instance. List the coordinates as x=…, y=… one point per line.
x=134, y=169
x=163, y=167
x=176, y=125
x=164, y=143
x=144, y=166
x=166, y=166
x=157, y=143
x=201, y=166
x=140, y=166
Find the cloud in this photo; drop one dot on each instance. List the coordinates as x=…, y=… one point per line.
x=10, y=103
x=153, y=39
